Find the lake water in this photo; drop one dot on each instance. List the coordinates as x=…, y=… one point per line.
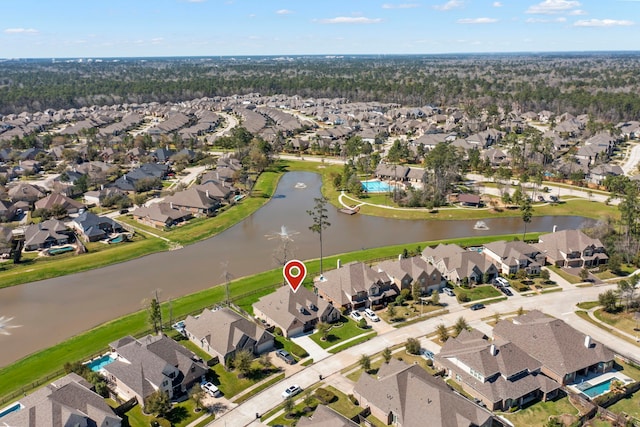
x=52, y=310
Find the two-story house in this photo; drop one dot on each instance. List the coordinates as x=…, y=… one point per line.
x=572, y=248
x=458, y=264
x=509, y=257
x=354, y=286
x=404, y=272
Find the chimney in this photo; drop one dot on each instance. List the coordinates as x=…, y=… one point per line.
x=101, y=187
x=399, y=257
x=207, y=193
x=493, y=350
x=339, y=263
x=171, y=205
x=587, y=341
x=555, y=227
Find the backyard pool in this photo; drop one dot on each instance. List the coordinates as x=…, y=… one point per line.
x=63, y=249
x=598, y=389
x=99, y=363
x=376, y=186
x=118, y=239
x=9, y=409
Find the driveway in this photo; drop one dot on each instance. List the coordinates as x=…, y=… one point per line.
x=316, y=352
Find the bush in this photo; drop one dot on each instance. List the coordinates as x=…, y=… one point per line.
x=463, y=297
x=429, y=363
x=324, y=396
x=277, y=331
x=353, y=400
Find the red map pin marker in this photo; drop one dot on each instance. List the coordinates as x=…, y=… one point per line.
x=294, y=272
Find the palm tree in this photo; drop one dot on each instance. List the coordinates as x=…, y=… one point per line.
x=323, y=330
x=386, y=354
x=365, y=362
x=443, y=332
x=461, y=325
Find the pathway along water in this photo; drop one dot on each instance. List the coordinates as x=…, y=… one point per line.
x=52, y=310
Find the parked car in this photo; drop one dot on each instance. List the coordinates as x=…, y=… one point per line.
x=371, y=315
x=554, y=199
x=478, y=306
x=426, y=354
x=449, y=292
x=211, y=389
x=291, y=391
x=501, y=282
x=355, y=315
x=541, y=198
x=507, y=291
x=284, y=355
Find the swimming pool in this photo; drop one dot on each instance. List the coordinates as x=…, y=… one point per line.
x=9, y=409
x=99, y=363
x=598, y=389
x=63, y=249
x=376, y=186
x=118, y=239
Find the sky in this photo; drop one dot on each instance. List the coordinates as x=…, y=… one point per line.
x=133, y=28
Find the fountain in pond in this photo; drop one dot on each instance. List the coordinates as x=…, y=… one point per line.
x=5, y=326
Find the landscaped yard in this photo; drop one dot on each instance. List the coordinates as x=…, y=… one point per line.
x=539, y=413
x=376, y=363
x=623, y=320
x=230, y=384
x=408, y=311
x=340, y=331
x=180, y=415
x=478, y=292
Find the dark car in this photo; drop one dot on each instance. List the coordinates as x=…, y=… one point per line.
x=284, y=355
x=475, y=307
x=506, y=291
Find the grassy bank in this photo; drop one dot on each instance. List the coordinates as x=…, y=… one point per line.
x=49, y=361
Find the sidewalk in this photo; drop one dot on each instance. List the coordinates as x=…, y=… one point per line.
x=592, y=316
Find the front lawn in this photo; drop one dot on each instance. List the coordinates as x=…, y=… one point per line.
x=539, y=413
x=478, y=292
x=340, y=331
x=623, y=320
x=230, y=384
x=181, y=415
x=408, y=311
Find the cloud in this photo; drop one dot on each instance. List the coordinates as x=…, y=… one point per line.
x=544, y=20
x=578, y=12
x=21, y=31
x=549, y=7
x=157, y=40
x=400, y=6
x=350, y=20
x=284, y=12
x=603, y=23
x=497, y=4
x=451, y=4
x=477, y=21
x=196, y=1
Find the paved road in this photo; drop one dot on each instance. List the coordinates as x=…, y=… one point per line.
x=558, y=304
x=631, y=163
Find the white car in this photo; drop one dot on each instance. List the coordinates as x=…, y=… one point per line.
x=355, y=315
x=291, y=391
x=371, y=315
x=502, y=282
x=211, y=389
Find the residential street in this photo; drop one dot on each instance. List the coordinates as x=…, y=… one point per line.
x=558, y=304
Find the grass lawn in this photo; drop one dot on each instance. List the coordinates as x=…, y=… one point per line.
x=353, y=342
x=258, y=389
x=623, y=320
x=408, y=311
x=539, y=413
x=339, y=332
x=629, y=405
x=479, y=292
x=566, y=276
x=409, y=359
x=180, y=415
x=293, y=348
x=230, y=384
x=588, y=305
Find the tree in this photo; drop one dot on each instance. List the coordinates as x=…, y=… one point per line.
x=609, y=301
x=386, y=354
x=412, y=346
x=416, y=290
x=391, y=309
x=288, y=405
x=362, y=323
x=460, y=325
x=627, y=289
x=323, y=330
x=545, y=275
x=443, y=332
x=158, y=403
x=527, y=213
x=155, y=315
x=584, y=274
x=435, y=298
x=197, y=395
x=520, y=311
x=242, y=362
x=319, y=216
x=365, y=362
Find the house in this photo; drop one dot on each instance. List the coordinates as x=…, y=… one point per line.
x=198, y=202
x=324, y=416
x=7, y=211
x=404, y=272
x=599, y=173
x=222, y=333
x=97, y=197
x=92, y=227
x=151, y=363
x=217, y=190
x=160, y=215
x=56, y=199
x=147, y=171
x=25, y=192
x=388, y=171
x=6, y=239
x=564, y=352
x=469, y=200
x=459, y=265
x=572, y=248
x=68, y=401
x=498, y=373
x=294, y=312
x=509, y=257
x=45, y=234
x=407, y=396
x=354, y=286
